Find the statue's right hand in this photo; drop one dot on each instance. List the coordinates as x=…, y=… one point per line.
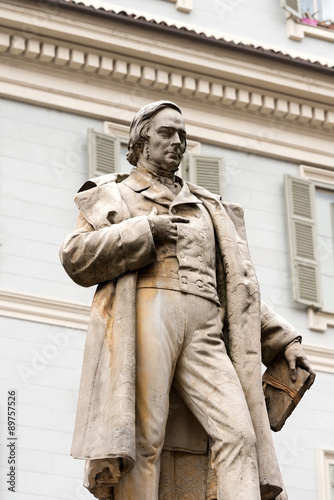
x=164, y=227
x=101, y=475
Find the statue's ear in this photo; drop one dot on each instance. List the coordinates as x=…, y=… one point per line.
x=140, y=145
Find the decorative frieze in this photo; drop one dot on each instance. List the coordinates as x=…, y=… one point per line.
x=171, y=81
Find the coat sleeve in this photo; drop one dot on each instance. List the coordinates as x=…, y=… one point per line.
x=276, y=334
x=93, y=256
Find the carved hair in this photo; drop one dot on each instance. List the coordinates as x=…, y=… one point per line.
x=140, y=125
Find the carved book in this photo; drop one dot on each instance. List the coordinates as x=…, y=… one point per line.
x=282, y=395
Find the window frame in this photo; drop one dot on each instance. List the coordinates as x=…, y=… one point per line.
x=193, y=166
x=315, y=6
x=290, y=9
x=318, y=320
x=325, y=459
x=302, y=241
x=296, y=30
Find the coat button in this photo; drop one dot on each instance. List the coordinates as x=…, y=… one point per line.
x=184, y=280
x=174, y=210
x=182, y=255
x=199, y=283
x=200, y=258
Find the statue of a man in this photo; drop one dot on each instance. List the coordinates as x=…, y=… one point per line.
x=177, y=307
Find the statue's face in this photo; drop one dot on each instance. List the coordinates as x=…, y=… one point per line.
x=166, y=141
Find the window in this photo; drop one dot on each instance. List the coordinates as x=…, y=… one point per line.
x=320, y=23
x=302, y=237
x=310, y=214
x=308, y=6
x=325, y=218
x=292, y=6
x=325, y=466
x=321, y=9
x=206, y=171
x=107, y=154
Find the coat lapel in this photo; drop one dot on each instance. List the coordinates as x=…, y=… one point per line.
x=149, y=188
x=157, y=192
x=185, y=197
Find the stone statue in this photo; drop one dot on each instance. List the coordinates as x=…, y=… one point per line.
x=171, y=403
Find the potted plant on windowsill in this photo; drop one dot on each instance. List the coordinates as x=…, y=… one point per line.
x=327, y=24
x=309, y=18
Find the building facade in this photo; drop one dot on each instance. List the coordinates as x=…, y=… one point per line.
x=255, y=85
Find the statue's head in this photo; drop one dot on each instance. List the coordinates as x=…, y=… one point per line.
x=157, y=136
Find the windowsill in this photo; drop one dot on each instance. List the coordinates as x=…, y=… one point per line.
x=319, y=321
x=183, y=5
x=297, y=31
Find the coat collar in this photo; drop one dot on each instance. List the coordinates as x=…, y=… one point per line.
x=145, y=184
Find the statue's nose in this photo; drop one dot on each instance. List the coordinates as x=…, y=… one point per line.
x=176, y=139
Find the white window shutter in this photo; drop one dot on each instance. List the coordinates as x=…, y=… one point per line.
x=303, y=242
x=292, y=6
x=103, y=153
x=205, y=171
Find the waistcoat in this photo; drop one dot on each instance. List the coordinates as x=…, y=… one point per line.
x=188, y=264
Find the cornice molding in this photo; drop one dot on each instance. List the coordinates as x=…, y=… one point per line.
x=106, y=9
x=43, y=310
x=100, y=65
x=321, y=358
x=134, y=40
x=222, y=125
x=74, y=315
x=319, y=176
x=106, y=69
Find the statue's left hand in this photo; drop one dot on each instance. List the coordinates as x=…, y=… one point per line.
x=295, y=356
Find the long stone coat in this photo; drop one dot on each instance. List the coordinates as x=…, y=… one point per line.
x=106, y=248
